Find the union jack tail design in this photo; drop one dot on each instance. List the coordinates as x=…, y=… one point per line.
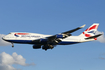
x=90, y=31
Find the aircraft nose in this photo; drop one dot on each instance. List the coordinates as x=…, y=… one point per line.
x=4, y=38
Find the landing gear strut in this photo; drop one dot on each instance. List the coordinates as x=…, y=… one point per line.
x=12, y=45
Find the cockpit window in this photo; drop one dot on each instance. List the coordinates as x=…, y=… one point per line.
x=9, y=33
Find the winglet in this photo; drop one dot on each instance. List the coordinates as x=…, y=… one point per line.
x=83, y=26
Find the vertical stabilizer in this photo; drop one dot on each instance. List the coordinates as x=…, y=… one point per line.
x=90, y=31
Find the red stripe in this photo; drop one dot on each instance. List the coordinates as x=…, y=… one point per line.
x=95, y=38
x=87, y=35
x=93, y=27
x=86, y=29
x=22, y=33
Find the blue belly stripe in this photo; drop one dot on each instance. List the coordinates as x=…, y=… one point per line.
x=31, y=42
x=67, y=43
x=20, y=41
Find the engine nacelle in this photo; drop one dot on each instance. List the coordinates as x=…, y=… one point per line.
x=59, y=36
x=36, y=46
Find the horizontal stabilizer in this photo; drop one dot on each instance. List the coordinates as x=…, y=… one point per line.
x=94, y=36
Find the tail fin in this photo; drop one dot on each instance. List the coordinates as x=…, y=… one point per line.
x=89, y=32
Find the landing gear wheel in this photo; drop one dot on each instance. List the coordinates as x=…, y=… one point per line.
x=45, y=49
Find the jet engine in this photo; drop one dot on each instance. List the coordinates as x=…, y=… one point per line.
x=36, y=46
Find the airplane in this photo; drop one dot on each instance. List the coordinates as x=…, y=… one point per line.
x=50, y=41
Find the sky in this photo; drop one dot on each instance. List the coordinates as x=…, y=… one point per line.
x=52, y=17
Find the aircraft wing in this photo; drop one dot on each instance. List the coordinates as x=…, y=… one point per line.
x=73, y=30
x=67, y=32
x=55, y=39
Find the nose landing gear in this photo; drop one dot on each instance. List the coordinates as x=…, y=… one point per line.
x=12, y=45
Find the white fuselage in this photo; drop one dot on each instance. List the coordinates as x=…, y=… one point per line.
x=27, y=38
